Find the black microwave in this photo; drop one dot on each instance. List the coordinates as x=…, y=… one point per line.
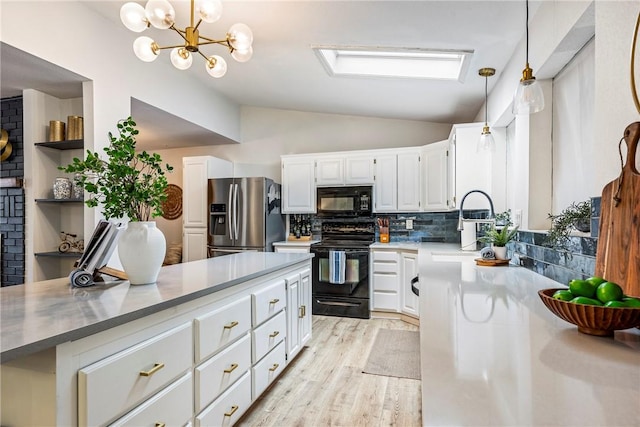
x=334, y=202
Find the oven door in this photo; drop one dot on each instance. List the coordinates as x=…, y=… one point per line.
x=354, y=270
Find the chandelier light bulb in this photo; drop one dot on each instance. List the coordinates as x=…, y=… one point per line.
x=216, y=66
x=133, y=17
x=160, y=13
x=209, y=10
x=145, y=49
x=240, y=36
x=181, y=58
x=242, y=55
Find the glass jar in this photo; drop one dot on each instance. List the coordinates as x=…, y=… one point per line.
x=62, y=188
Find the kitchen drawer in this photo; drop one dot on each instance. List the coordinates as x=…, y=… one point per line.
x=386, y=301
x=114, y=385
x=385, y=282
x=268, y=301
x=229, y=407
x=385, y=256
x=268, y=335
x=216, y=374
x=385, y=267
x=221, y=327
x=265, y=371
x=171, y=407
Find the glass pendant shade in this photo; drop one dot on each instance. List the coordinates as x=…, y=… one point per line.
x=209, y=10
x=242, y=55
x=160, y=13
x=133, y=17
x=181, y=58
x=219, y=67
x=528, y=98
x=143, y=48
x=486, y=141
x=240, y=36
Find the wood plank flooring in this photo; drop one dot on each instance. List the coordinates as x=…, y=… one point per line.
x=325, y=386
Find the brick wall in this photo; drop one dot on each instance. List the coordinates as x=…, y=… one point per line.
x=12, y=199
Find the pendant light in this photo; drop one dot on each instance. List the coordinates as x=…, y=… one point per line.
x=528, y=98
x=486, y=141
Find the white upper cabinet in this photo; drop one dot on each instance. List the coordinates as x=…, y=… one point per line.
x=330, y=171
x=359, y=170
x=195, y=175
x=298, y=184
x=409, y=181
x=436, y=177
x=386, y=186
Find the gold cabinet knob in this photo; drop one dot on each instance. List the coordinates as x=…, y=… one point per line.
x=274, y=367
x=233, y=410
x=152, y=371
x=274, y=334
x=231, y=325
x=231, y=368
x=274, y=301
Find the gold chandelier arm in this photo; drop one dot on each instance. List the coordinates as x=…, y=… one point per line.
x=169, y=47
x=634, y=90
x=182, y=33
x=210, y=41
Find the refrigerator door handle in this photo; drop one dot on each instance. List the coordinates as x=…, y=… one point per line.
x=230, y=212
x=236, y=214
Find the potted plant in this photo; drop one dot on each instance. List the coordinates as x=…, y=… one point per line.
x=576, y=216
x=498, y=238
x=128, y=184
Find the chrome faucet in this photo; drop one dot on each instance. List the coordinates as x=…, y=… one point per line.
x=492, y=214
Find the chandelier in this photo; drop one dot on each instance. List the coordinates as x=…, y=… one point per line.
x=160, y=14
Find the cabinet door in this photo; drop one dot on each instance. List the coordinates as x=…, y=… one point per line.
x=305, y=301
x=359, y=170
x=435, y=168
x=410, y=301
x=298, y=185
x=194, y=192
x=194, y=244
x=386, y=183
x=409, y=181
x=472, y=169
x=330, y=171
x=385, y=280
x=293, y=305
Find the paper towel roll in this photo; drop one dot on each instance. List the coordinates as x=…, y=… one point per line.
x=468, y=236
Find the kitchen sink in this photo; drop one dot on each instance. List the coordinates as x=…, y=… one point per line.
x=454, y=256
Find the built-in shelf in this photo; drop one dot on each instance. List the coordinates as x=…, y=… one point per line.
x=59, y=200
x=57, y=254
x=71, y=144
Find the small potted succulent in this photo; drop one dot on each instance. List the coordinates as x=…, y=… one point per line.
x=498, y=239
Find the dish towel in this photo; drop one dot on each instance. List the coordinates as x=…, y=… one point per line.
x=337, y=264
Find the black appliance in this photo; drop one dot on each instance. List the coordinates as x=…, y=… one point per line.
x=344, y=202
x=340, y=269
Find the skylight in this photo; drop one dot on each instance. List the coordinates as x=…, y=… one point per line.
x=394, y=62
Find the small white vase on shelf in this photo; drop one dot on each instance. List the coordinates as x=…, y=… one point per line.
x=500, y=252
x=141, y=248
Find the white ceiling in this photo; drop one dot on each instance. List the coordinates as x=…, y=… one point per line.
x=284, y=72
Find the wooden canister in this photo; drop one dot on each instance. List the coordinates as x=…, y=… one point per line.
x=56, y=131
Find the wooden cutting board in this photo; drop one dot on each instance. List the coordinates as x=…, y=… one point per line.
x=618, y=255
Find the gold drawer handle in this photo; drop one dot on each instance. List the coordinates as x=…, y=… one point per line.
x=160, y=424
x=303, y=311
x=152, y=371
x=274, y=367
x=233, y=410
x=274, y=334
x=231, y=325
x=274, y=301
x=231, y=368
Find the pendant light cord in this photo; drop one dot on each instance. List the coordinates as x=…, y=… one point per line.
x=486, y=101
x=527, y=32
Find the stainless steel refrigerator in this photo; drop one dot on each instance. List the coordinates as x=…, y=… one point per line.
x=244, y=215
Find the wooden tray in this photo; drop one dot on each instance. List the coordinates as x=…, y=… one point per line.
x=491, y=262
x=293, y=238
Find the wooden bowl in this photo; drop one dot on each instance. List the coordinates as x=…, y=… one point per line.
x=591, y=319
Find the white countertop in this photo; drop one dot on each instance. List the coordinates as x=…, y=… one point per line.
x=40, y=315
x=417, y=246
x=492, y=354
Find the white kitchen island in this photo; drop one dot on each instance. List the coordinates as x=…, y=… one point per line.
x=493, y=355
x=198, y=347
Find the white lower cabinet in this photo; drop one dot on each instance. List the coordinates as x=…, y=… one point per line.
x=392, y=271
x=298, y=311
x=230, y=406
x=266, y=370
x=118, y=383
x=216, y=374
x=268, y=335
x=171, y=407
x=409, y=269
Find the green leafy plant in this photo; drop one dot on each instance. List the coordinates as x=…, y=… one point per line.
x=128, y=183
x=504, y=218
x=577, y=215
x=499, y=237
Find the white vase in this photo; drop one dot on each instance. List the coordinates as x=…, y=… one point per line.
x=500, y=252
x=141, y=248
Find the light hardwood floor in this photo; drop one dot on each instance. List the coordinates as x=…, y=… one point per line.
x=325, y=386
